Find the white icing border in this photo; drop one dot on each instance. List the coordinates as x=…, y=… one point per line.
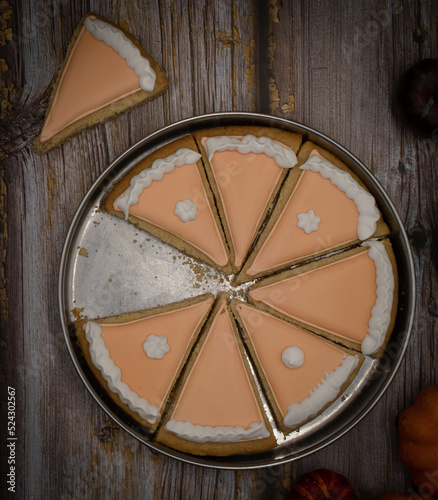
x=382, y=310
x=326, y=391
x=364, y=201
x=101, y=358
x=117, y=40
x=219, y=434
x=283, y=156
x=155, y=172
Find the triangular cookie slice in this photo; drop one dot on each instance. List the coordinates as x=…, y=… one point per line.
x=218, y=410
x=138, y=356
x=322, y=207
x=350, y=297
x=301, y=373
x=168, y=195
x=105, y=72
x=245, y=167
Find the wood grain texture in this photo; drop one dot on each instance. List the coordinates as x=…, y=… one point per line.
x=329, y=65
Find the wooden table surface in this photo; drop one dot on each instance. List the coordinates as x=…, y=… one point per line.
x=330, y=65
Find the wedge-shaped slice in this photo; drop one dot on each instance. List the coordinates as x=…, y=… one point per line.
x=350, y=297
x=323, y=206
x=218, y=411
x=138, y=356
x=245, y=167
x=301, y=373
x=168, y=195
x=105, y=72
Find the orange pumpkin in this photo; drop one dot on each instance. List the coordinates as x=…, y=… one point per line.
x=418, y=427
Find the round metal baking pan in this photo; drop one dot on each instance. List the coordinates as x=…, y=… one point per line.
x=108, y=267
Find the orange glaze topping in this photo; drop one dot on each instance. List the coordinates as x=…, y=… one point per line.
x=288, y=242
x=94, y=76
x=157, y=205
x=246, y=183
x=337, y=297
x=270, y=336
x=217, y=391
x=152, y=378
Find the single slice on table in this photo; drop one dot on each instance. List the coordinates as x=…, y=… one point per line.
x=350, y=297
x=302, y=374
x=246, y=167
x=138, y=356
x=218, y=410
x=322, y=207
x=167, y=194
x=105, y=72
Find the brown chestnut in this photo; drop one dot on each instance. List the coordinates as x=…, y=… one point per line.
x=416, y=98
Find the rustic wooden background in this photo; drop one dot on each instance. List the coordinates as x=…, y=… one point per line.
x=331, y=65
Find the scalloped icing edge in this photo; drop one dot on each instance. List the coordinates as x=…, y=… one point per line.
x=218, y=434
x=101, y=358
x=381, y=311
x=364, y=201
x=325, y=392
x=161, y=166
x=115, y=39
x=283, y=156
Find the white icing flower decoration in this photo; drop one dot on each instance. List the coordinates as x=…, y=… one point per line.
x=292, y=357
x=156, y=346
x=186, y=210
x=308, y=221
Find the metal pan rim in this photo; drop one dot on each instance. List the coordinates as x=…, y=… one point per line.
x=183, y=127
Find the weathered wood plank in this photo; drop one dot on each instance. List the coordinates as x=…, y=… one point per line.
x=330, y=65
x=340, y=66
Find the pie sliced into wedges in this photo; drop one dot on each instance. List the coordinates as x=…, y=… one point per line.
x=218, y=410
x=322, y=207
x=138, y=356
